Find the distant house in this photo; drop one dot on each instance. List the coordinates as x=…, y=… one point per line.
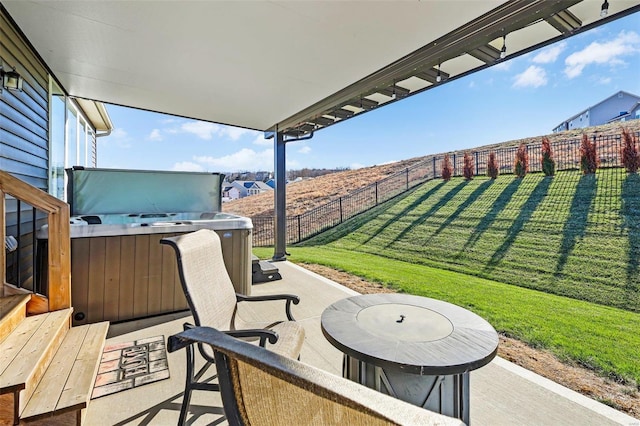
x=229, y=192
x=263, y=176
x=246, y=188
x=272, y=182
x=632, y=114
x=621, y=106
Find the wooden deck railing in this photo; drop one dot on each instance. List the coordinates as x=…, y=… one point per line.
x=59, y=244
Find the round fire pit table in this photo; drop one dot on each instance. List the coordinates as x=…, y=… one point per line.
x=414, y=348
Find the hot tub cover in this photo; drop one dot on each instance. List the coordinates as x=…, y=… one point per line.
x=117, y=191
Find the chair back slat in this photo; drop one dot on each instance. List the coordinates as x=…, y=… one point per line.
x=261, y=387
x=204, y=278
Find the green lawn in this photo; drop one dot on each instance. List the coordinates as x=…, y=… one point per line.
x=571, y=235
x=600, y=337
x=486, y=244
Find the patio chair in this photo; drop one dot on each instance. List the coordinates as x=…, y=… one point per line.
x=213, y=303
x=260, y=387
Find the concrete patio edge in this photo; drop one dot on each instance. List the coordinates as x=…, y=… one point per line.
x=576, y=397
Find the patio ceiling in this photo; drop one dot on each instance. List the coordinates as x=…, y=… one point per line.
x=299, y=66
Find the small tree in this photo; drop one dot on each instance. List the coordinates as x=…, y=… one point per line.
x=548, y=164
x=522, y=161
x=467, y=169
x=446, y=168
x=589, y=160
x=630, y=154
x=492, y=166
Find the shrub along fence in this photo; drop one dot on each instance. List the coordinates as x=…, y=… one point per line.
x=566, y=154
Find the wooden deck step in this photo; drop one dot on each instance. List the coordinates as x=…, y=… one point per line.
x=26, y=353
x=68, y=383
x=13, y=310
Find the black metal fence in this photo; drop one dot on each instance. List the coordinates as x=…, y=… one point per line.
x=566, y=154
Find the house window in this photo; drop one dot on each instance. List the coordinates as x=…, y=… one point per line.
x=71, y=140
x=57, y=112
x=72, y=137
x=82, y=142
x=80, y=137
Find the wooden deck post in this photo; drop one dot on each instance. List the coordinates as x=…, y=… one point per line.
x=59, y=264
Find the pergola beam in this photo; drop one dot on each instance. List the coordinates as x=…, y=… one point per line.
x=510, y=16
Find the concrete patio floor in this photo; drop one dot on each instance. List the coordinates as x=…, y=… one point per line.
x=502, y=393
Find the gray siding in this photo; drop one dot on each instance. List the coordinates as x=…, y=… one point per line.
x=601, y=113
x=24, y=121
x=612, y=108
x=24, y=149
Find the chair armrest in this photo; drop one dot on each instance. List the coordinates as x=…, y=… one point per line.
x=294, y=375
x=263, y=334
x=288, y=297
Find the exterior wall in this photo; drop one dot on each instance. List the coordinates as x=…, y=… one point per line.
x=601, y=113
x=24, y=149
x=24, y=115
x=612, y=108
x=230, y=194
x=633, y=114
x=581, y=121
x=561, y=128
x=242, y=191
x=30, y=126
x=234, y=194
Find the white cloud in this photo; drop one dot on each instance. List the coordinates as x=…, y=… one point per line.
x=234, y=133
x=550, y=54
x=606, y=53
x=206, y=130
x=245, y=159
x=604, y=80
x=119, y=137
x=305, y=150
x=503, y=66
x=201, y=129
x=260, y=140
x=187, y=166
x=534, y=76
x=155, y=135
x=355, y=166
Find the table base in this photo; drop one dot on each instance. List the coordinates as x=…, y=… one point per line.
x=447, y=394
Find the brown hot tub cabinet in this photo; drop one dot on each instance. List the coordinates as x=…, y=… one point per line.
x=119, y=269
x=121, y=272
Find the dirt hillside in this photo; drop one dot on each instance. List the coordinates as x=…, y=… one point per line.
x=309, y=193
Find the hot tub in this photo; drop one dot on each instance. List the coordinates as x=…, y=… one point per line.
x=119, y=269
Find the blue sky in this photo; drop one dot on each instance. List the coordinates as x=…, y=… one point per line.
x=522, y=97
